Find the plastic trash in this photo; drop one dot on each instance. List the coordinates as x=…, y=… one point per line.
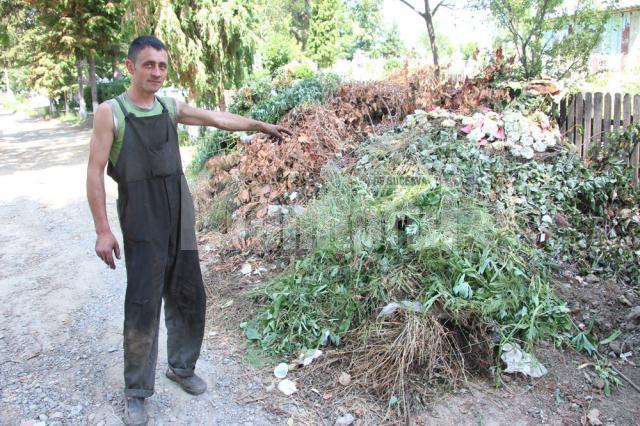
x=307, y=358
x=287, y=387
x=246, y=269
x=405, y=304
x=281, y=370
x=345, y=420
x=519, y=361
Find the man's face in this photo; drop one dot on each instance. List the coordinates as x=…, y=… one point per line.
x=149, y=70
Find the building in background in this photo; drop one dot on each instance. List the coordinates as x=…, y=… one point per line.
x=619, y=50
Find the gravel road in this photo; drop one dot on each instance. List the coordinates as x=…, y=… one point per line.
x=62, y=309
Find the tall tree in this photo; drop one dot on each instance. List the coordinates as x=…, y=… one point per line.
x=80, y=29
x=301, y=19
x=428, y=15
x=53, y=75
x=550, y=36
x=360, y=27
x=17, y=32
x=369, y=28
x=443, y=44
x=211, y=43
x=276, y=34
x=392, y=45
x=323, y=32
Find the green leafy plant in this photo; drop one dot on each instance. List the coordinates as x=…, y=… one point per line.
x=280, y=49
x=456, y=258
x=590, y=213
x=314, y=90
x=106, y=90
x=264, y=102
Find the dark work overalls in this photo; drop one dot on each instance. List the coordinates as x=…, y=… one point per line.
x=158, y=227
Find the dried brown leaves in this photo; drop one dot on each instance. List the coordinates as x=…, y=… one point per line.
x=366, y=108
x=270, y=171
x=288, y=172
x=464, y=97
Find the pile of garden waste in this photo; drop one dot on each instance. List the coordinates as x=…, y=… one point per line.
x=427, y=241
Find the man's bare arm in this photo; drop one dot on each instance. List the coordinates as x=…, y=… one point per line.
x=188, y=114
x=101, y=141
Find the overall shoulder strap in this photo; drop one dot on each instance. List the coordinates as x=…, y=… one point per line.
x=164, y=107
x=122, y=107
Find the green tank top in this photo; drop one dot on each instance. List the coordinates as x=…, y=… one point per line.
x=118, y=119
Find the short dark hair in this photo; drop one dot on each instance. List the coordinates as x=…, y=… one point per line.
x=144, y=41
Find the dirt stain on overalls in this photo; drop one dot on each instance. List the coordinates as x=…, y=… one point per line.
x=158, y=227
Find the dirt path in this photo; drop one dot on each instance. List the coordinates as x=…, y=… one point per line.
x=62, y=310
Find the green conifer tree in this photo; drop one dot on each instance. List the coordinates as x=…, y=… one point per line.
x=323, y=32
x=211, y=42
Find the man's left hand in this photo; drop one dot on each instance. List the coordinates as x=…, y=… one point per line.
x=275, y=130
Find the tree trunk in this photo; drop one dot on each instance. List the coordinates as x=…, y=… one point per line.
x=66, y=103
x=428, y=19
x=82, y=107
x=93, y=83
x=6, y=80
x=221, y=101
x=114, y=62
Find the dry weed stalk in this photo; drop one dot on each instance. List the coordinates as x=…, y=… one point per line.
x=409, y=355
x=407, y=352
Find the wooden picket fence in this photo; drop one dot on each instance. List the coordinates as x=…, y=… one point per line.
x=588, y=120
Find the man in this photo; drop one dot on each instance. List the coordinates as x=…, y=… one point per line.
x=134, y=136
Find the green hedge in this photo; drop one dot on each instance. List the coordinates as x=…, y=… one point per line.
x=106, y=91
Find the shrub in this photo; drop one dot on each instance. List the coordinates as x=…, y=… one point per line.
x=280, y=50
x=106, y=90
x=314, y=90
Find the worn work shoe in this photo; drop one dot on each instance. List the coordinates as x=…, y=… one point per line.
x=134, y=412
x=192, y=384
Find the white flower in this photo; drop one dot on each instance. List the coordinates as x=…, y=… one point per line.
x=526, y=140
x=527, y=152
x=476, y=134
x=523, y=122
x=539, y=146
x=490, y=127
x=513, y=137
x=468, y=120
x=478, y=116
x=438, y=113
x=459, y=117
x=516, y=150
x=510, y=118
x=448, y=123
x=425, y=125
x=551, y=137
x=537, y=134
